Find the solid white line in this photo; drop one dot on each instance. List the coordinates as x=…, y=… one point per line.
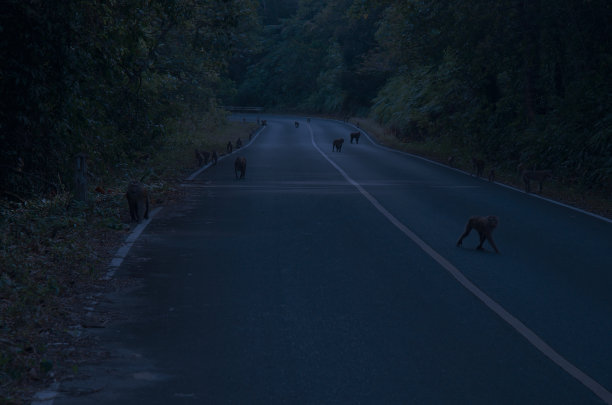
x=127, y=245
x=201, y=169
x=571, y=207
x=520, y=327
x=47, y=397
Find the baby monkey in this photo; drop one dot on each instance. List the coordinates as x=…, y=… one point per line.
x=484, y=226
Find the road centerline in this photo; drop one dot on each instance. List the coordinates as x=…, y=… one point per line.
x=506, y=316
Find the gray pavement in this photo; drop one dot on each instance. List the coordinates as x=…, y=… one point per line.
x=292, y=287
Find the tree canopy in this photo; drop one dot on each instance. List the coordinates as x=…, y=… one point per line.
x=108, y=78
x=517, y=81
x=513, y=80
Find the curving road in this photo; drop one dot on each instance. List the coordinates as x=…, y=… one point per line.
x=333, y=278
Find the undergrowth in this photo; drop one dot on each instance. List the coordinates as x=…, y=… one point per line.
x=54, y=250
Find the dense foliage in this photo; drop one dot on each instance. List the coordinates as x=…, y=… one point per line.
x=512, y=80
x=108, y=78
x=313, y=61
x=517, y=81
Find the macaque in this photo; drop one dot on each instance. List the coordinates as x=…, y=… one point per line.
x=238, y=143
x=297, y=124
x=492, y=175
x=308, y=119
x=240, y=166
x=215, y=157
x=536, y=175
x=202, y=157
x=264, y=123
x=229, y=147
x=451, y=161
x=478, y=166
x=484, y=226
x=138, y=200
x=355, y=136
x=337, y=145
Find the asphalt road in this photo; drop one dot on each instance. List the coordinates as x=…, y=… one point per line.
x=333, y=278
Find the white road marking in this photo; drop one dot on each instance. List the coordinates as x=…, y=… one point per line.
x=571, y=207
x=520, y=327
x=48, y=396
x=129, y=241
x=201, y=169
x=127, y=245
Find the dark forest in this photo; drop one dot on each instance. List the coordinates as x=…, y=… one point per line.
x=519, y=82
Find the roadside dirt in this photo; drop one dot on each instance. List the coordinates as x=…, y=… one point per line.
x=51, y=342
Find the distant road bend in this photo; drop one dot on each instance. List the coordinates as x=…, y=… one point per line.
x=333, y=277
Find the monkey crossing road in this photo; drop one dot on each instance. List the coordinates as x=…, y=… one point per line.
x=325, y=277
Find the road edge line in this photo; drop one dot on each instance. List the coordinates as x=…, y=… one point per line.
x=493, y=305
x=51, y=393
x=549, y=200
x=195, y=174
